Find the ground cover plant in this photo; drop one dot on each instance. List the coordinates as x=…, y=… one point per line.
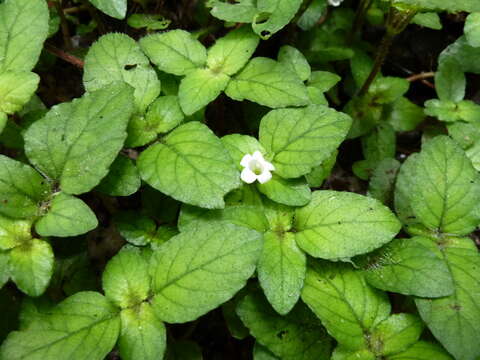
x=241, y=179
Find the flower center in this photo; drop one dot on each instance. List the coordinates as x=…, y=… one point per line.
x=256, y=167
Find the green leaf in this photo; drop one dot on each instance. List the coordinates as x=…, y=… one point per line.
x=148, y=21
x=13, y=232
x=114, y=8
x=3, y=121
x=344, y=302
x=230, y=53
x=312, y=14
x=20, y=49
x=293, y=59
x=175, y=52
x=241, y=11
x=410, y=267
x=446, y=188
x=260, y=352
x=472, y=29
x=240, y=145
x=268, y=83
x=22, y=189
x=143, y=335
x=16, y=88
x=422, y=350
x=320, y=173
x=66, y=216
x=76, y=142
x=455, y=320
x=164, y=114
x=448, y=5
x=83, y=326
x=190, y=165
x=4, y=268
x=31, y=266
x=323, y=80
x=140, y=131
x=388, y=89
x=123, y=178
x=450, y=82
x=251, y=217
x=343, y=353
x=450, y=111
x=126, y=281
x=199, y=88
x=136, y=229
x=429, y=20
x=337, y=225
x=281, y=270
x=382, y=181
x=208, y=265
x=117, y=57
x=299, y=139
x=298, y=335
x=404, y=115
x=292, y=192
x=396, y=334
x=273, y=15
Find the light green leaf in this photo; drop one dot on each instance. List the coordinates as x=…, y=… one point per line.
x=240, y=145
x=396, y=334
x=446, y=188
x=117, y=57
x=199, y=88
x=231, y=52
x=296, y=336
x=3, y=121
x=13, y=232
x=84, y=326
x=22, y=189
x=20, y=49
x=292, y=192
x=449, y=111
x=241, y=11
x=268, y=83
x=114, y=8
x=450, y=81
x=143, y=335
x=208, y=265
x=410, y=267
x=31, y=266
x=135, y=228
x=140, y=132
x=299, y=139
x=422, y=350
x=346, y=304
x=4, y=268
x=343, y=353
x=66, y=216
x=16, y=88
x=175, y=52
x=293, y=59
x=148, y=21
x=382, y=182
x=448, y=5
x=251, y=217
x=320, y=173
x=273, y=15
x=472, y=29
x=164, y=114
x=323, y=80
x=337, y=225
x=404, y=115
x=125, y=280
x=281, y=270
x=190, y=165
x=455, y=320
x=429, y=20
x=76, y=142
x=123, y=178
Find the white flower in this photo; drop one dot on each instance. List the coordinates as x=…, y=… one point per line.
x=256, y=168
x=335, y=2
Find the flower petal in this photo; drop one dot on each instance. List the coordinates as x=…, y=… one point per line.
x=264, y=177
x=257, y=155
x=268, y=166
x=246, y=160
x=248, y=176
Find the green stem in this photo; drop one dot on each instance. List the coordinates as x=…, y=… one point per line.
x=397, y=21
x=362, y=9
